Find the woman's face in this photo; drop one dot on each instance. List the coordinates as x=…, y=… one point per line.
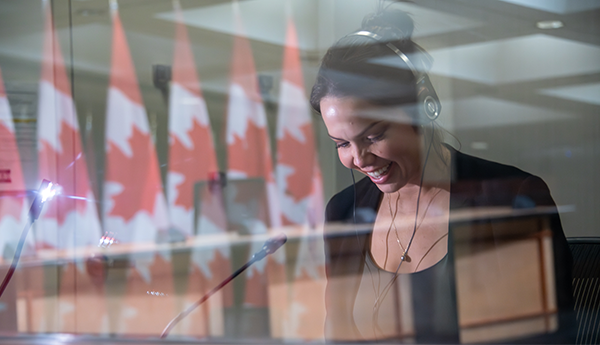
x=388, y=152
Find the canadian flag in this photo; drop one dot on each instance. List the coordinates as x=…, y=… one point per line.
x=301, y=196
x=296, y=153
x=70, y=220
x=249, y=153
x=192, y=159
x=13, y=197
x=135, y=206
x=191, y=150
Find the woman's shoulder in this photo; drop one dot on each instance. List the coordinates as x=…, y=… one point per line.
x=467, y=167
x=501, y=182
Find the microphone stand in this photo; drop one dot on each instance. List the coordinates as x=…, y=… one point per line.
x=270, y=246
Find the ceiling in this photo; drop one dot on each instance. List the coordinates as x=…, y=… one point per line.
x=478, y=45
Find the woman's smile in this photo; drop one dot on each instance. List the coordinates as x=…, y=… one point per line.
x=379, y=173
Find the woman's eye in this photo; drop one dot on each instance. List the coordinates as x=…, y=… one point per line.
x=341, y=145
x=374, y=138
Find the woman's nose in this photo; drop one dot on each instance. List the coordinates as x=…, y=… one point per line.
x=361, y=157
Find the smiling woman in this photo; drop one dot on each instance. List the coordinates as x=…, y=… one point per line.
x=422, y=265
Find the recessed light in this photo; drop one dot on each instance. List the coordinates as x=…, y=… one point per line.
x=89, y=12
x=479, y=145
x=550, y=24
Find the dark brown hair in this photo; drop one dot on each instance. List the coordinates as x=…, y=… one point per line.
x=359, y=66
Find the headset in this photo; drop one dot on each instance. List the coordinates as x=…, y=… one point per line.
x=428, y=103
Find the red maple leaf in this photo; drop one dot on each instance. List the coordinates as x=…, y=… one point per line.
x=194, y=164
x=251, y=154
x=67, y=169
x=138, y=176
x=300, y=156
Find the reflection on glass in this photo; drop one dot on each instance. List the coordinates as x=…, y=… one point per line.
x=201, y=142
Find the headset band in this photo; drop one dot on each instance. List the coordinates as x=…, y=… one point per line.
x=391, y=46
x=431, y=106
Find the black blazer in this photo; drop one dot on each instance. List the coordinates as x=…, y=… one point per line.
x=475, y=183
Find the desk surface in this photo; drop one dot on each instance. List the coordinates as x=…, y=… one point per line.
x=59, y=339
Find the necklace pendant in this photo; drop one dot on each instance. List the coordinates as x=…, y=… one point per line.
x=406, y=258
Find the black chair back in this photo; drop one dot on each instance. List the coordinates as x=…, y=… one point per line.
x=586, y=287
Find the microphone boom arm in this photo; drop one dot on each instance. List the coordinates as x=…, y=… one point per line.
x=270, y=246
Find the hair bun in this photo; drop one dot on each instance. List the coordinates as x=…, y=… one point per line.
x=391, y=24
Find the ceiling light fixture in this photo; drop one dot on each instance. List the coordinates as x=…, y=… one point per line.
x=549, y=24
x=90, y=12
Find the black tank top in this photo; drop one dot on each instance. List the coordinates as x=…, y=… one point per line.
x=417, y=307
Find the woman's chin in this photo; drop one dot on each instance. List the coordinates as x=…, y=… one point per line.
x=392, y=185
x=389, y=188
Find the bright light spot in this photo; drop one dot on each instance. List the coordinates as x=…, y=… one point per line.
x=550, y=24
x=107, y=241
x=479, y=145
x=156, y=293
x=49, y=192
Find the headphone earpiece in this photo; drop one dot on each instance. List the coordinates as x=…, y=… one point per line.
x=428, y=102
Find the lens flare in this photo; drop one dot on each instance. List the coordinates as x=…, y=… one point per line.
x=49, y=192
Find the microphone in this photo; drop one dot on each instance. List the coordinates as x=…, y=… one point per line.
x=270, y=246
x=46, y=192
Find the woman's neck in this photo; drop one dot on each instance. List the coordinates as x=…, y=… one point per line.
x=437, y=166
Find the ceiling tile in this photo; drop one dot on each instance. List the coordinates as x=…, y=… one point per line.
x=264, y=20
x=588, y=93
x=558, y=6
x=486, y=112
x=517, y=59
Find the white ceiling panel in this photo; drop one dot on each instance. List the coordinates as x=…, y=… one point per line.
x=264, y=20
x=28, y=46
x=589, y=93
x=92, y=49
x=558, y=6
x=349, y=16
x=485, y=112
x=517, y=59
